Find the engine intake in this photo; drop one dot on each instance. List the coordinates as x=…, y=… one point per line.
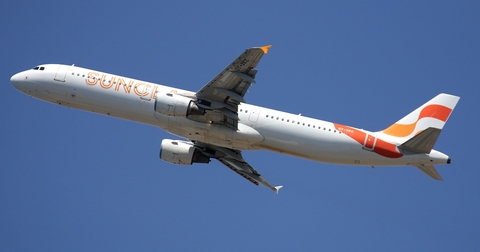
x=176, y=105
x=181, y=152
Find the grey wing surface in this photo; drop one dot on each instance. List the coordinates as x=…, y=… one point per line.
x=220, y=99
x=233, y=159
x=224, y=92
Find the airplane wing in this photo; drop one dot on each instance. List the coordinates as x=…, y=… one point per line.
x=220, y=98
x=233, y=159
x=224, y=92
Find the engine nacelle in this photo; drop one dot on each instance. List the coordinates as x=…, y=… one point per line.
x=181, y=152
x=176, y=105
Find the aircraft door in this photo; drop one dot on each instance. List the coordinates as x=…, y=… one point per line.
x=61, y=73
x=370, y=141
x=254, y=115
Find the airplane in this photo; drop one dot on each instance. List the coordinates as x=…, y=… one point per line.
x=216, y=122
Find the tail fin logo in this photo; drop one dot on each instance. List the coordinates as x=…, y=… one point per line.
x=435, y=111
x=432, y=114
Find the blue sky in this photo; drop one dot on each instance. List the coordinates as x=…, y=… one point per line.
x=75, y=181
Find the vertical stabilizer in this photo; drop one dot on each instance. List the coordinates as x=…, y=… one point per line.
x=433, y=114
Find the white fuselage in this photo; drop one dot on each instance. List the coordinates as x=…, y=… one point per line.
x=258, y=127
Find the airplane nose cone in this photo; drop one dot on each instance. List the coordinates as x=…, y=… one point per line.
x=16, y=80
x=20, y=82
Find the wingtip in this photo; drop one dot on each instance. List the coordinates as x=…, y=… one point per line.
x=265, y=48
x=277, y=188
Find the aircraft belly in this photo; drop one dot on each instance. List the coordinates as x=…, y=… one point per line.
x=220, y=135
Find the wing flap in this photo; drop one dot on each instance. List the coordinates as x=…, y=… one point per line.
x=246, y=171
x=235, y=169
x=231, y=94
x=233, y=159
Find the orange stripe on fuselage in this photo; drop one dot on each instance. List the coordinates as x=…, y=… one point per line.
x=381, y=147
x=355, y=134
x=386, y=149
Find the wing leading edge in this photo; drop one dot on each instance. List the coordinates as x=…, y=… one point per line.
x=247, y=171
x=233, y=159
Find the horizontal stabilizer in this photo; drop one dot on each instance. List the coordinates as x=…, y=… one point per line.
x=423, y=142
x=429, y=170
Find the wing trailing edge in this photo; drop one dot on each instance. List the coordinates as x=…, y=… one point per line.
x=243, y=169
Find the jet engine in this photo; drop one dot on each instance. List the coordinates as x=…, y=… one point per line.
x=181, y=152
x=176, y=105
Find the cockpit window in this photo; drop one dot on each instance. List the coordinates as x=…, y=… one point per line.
x=39, y=68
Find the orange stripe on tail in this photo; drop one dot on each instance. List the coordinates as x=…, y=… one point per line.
x=431, y=111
